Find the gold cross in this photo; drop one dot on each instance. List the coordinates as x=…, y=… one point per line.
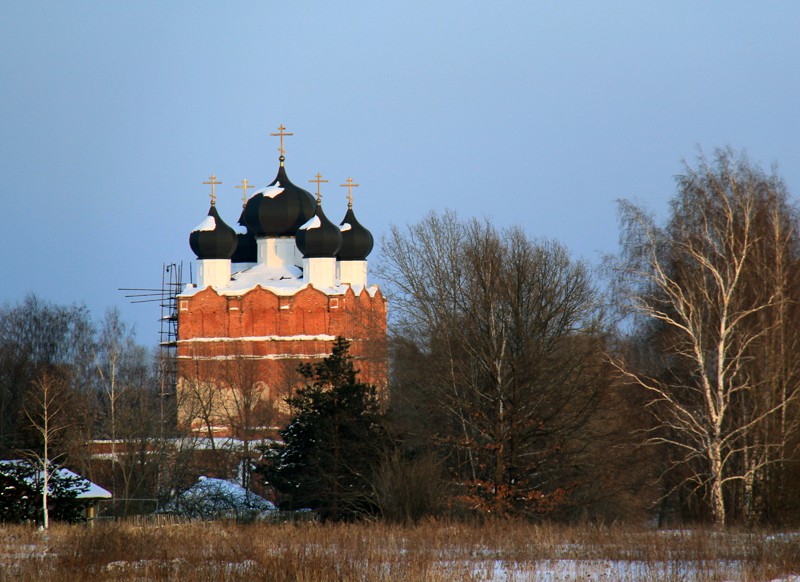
x=282, y=133
x=244, y=188
x=213, y=183
x=349, y=187
x=319, y=181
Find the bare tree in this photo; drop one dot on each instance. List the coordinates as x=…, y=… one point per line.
x=769, y=451
x=248, y=407
x=497, y=344
x=695, y=289
x=36, y=334
x=108, y=362
x=230, y=403
x=199, y=398
x=43, y=410
x=141, y=451
x=129, y=387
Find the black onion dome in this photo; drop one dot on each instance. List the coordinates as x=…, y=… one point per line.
x=319, y=237
x=242, y=221
x=282, y=214
x=357, y=241
x=214, y=240
x=246, y=247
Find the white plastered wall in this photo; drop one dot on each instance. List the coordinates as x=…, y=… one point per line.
x=213, y=272
x=320, y=272
x=352, y=272
x=278, y=251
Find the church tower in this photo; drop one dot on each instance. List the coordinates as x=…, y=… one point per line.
x=268, y=299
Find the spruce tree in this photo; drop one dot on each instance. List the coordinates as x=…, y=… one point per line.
x=332, y=444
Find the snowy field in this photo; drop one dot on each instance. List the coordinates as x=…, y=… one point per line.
x=499, y=551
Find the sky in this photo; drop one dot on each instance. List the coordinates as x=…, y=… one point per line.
x=528, y=113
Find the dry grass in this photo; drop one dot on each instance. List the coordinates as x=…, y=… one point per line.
x=432, y=551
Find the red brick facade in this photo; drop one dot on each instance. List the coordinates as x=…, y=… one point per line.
x=238, y=353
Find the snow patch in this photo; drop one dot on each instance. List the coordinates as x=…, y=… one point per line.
x=270, y=191
x=283, y=281
x=266, y=357
x=211, y=498
x=208, y=224
x=263, y=338
x=85, y=488
x=315, y=222
x=345, y=226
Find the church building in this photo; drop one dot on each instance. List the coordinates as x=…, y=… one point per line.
x=268, y=298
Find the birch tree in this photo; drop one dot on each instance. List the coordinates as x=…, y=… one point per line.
x=43, y=410
x=772, y=449
x=694, y=290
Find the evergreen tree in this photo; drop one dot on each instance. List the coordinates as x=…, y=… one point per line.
x=332, y=444
x=22, y=486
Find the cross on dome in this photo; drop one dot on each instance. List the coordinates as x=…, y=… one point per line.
x=244, y=188
x=349, y=187
x=319, y=181
x=213, y=183
x=281, y=133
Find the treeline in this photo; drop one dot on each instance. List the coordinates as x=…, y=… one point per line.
x=712, y=300
x=665, y=388
x=670, y=392
x=500, y=372
x=66, y=381
x=499, y=367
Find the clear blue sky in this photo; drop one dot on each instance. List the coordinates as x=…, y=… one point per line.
x=541, y=114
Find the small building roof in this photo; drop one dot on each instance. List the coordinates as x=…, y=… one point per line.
x=86, y=489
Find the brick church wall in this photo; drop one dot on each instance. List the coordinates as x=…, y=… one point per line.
x=252, y=343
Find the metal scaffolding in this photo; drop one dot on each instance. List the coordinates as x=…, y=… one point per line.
x=167, y=298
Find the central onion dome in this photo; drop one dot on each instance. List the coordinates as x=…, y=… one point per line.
x=280, y=209
x=319, y=237
x=212, y=238
x=357, y=241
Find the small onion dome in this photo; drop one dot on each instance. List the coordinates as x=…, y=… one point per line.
x=212, y=238
x=357, y=241
x=246, y=247
x=319, y=237
x=279, y=209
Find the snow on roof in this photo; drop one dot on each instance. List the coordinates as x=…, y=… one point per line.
x=211, y=497
x=283, y=281
x=286, y=280
x=86, y=489
x=313, y=223
x=232, y=490
x=263, y=338
x=237, y=268
x=316, y=356
x=270, y=191
x=93, y=492
x=209, y=223
x=345, y=226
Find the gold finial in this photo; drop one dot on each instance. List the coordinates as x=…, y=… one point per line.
x=319, y=181
x=281, y=133
x=349, y=187
x=213, y=183
x=244, y=188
